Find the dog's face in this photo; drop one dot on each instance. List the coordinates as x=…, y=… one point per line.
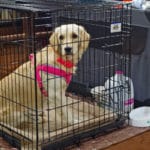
x=70, y=40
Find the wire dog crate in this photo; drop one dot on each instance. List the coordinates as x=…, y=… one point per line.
x=44, y=104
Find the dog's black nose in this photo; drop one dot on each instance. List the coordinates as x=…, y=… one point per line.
x=68, y=50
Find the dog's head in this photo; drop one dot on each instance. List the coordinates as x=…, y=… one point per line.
x=70, y=40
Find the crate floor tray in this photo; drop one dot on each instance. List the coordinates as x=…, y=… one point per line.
x=47, y=137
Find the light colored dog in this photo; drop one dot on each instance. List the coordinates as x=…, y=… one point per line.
x=22, y=99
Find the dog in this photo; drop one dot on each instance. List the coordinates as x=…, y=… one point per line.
x=31, y=94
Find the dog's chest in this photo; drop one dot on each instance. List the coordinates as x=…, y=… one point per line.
x=53, y=83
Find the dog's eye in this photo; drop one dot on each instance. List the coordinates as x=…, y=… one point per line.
x=61, y=37
x=74, y=36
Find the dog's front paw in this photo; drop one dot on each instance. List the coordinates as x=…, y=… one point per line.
x=31, y=116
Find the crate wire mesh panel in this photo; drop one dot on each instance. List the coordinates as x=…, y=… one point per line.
x=41, y=49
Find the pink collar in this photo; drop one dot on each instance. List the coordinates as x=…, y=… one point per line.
x=50, y=70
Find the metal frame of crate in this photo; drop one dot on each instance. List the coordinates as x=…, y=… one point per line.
x=25, y=29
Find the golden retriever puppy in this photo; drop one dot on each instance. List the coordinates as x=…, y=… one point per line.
x=25, y=99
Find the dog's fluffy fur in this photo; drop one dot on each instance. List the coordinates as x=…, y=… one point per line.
x=19, y=94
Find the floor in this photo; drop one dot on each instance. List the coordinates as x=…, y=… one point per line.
x=140, y=142
x=128, y=138
x=5, y=146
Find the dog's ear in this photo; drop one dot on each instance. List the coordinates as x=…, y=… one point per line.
x=85, y=38
x=54, y=40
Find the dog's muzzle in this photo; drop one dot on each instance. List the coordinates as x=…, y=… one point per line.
x=68, y=51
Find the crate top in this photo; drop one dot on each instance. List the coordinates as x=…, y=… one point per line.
x=53, y=5
x=28, y=5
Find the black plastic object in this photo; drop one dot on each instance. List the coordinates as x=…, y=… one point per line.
x=138, y=39
x=79, y=89
x=147, y=13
